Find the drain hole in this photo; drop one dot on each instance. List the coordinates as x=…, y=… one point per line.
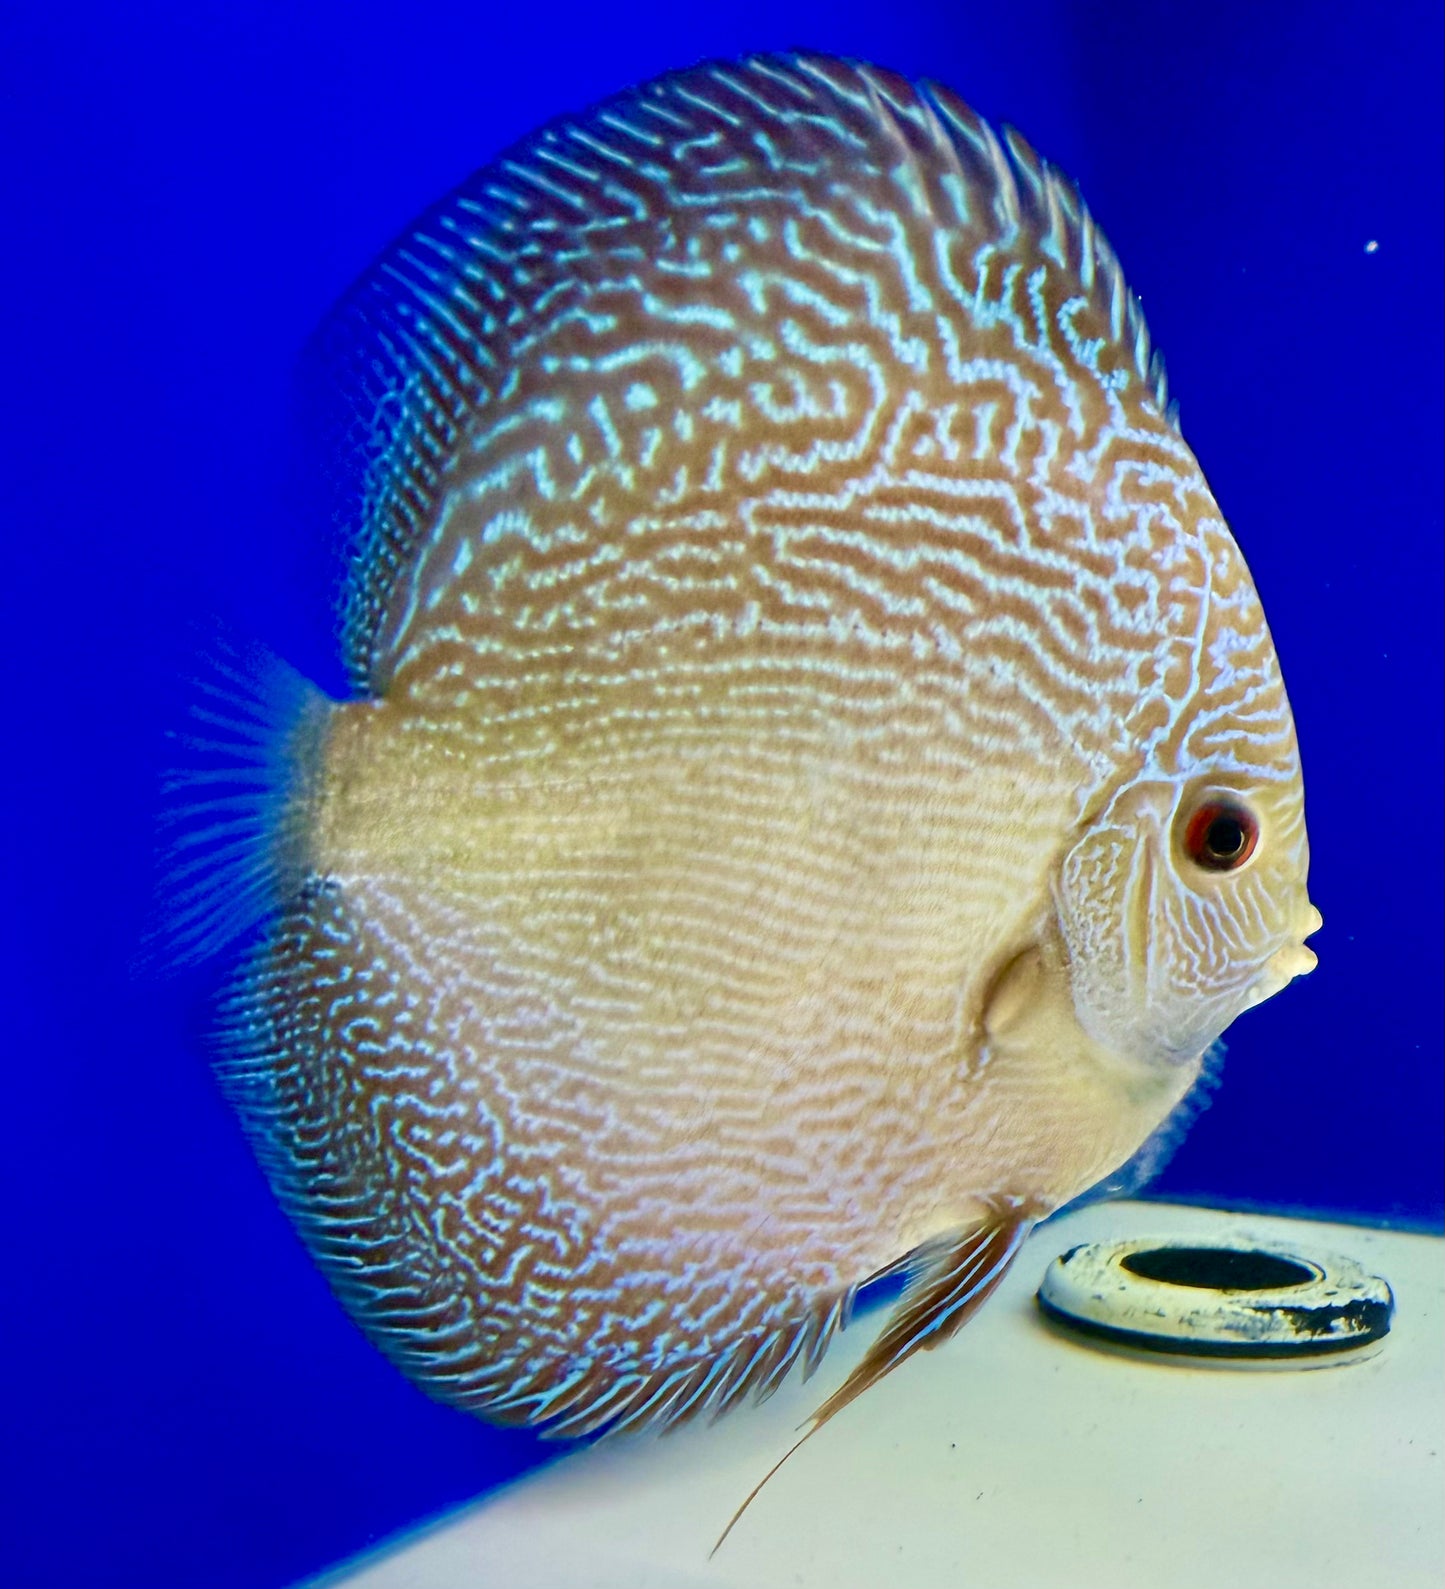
x=1218, y=1268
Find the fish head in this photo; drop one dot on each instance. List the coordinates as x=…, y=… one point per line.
x=1183, y=900
x=1181, y=908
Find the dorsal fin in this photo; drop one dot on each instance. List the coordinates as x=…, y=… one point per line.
x=439, y=325
x=950, y=1280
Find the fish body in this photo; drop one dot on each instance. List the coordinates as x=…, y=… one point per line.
x=807, y=701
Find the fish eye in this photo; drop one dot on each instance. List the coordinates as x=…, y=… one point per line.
x=1220, y=835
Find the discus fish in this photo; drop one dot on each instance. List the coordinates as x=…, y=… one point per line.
x=819, y=778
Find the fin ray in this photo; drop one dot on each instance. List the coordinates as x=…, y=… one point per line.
x=233, y=831
x=419, y=347
x=950, y=1280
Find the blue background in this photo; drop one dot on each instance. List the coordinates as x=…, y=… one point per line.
x=186, y=188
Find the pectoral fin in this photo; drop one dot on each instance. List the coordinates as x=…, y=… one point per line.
x=949, y=1280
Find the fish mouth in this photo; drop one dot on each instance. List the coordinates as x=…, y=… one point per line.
x=1284, y=965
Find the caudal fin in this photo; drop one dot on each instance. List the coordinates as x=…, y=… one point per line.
x=237, y=802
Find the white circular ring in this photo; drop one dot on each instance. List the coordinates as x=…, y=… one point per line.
x=1235, y=1300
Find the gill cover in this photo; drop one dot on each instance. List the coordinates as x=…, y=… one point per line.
x=1159, y=964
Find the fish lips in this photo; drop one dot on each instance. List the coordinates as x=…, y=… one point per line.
x=1283, y=966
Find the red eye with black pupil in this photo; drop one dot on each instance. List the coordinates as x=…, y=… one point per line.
x=1220, y=837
